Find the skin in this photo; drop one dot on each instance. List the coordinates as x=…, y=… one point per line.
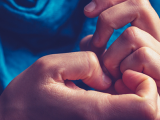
x=137, y=48
x=114, y=14
x=49, y=94
x=134, y=49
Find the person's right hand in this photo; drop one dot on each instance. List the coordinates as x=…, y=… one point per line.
x=44, y=92
x=135, y=41
x=114, y=14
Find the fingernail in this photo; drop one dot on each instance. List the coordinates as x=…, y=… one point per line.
x=106, y=79
x=90, y=7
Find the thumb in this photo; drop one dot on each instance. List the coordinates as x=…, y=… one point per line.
x=143, y=105
x=78, y=65
x=140, y=84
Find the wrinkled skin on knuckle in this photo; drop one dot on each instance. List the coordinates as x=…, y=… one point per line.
x=140, y=3
x=130, y=33
x=132, y=37
x=144, y=54
x=144, y=7
x=104, y=19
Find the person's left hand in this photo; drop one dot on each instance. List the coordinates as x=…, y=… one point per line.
x=44, y=92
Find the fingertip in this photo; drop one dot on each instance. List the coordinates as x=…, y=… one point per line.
x=89, y=9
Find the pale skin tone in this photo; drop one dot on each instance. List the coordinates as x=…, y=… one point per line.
x=44, y=90
x=138, y=48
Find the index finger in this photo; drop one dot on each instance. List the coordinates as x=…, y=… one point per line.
x=95, y=7
x=137, y=12
x=75, y=66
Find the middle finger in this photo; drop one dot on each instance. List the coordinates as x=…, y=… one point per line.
x=138, y=12
x=132, y=39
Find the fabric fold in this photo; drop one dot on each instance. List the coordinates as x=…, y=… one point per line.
x=35, y=17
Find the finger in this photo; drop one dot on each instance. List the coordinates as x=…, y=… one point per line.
x=143, y=60
x=85, y=42
x=135, y=107
x=86, y=45
x=113, y=107
x=75, y=66
x=143, y=105
x=141, y=84
x=140, y=14
x=121, y=88
x=95, y=7
x=132, y=39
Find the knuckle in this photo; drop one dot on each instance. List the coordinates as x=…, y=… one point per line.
x=39, y=68
x=111, y=3
x=129, y=38
x=91, y=58
x=40, y=63
x=105, y=19
x=132, y=36
x=142, y=5
x=144, y=54
x=130, y=33
x=139, y=3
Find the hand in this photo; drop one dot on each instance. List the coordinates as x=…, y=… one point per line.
x=114, y=14
x=140, y=14
x=137, y=50
x=44, y=91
